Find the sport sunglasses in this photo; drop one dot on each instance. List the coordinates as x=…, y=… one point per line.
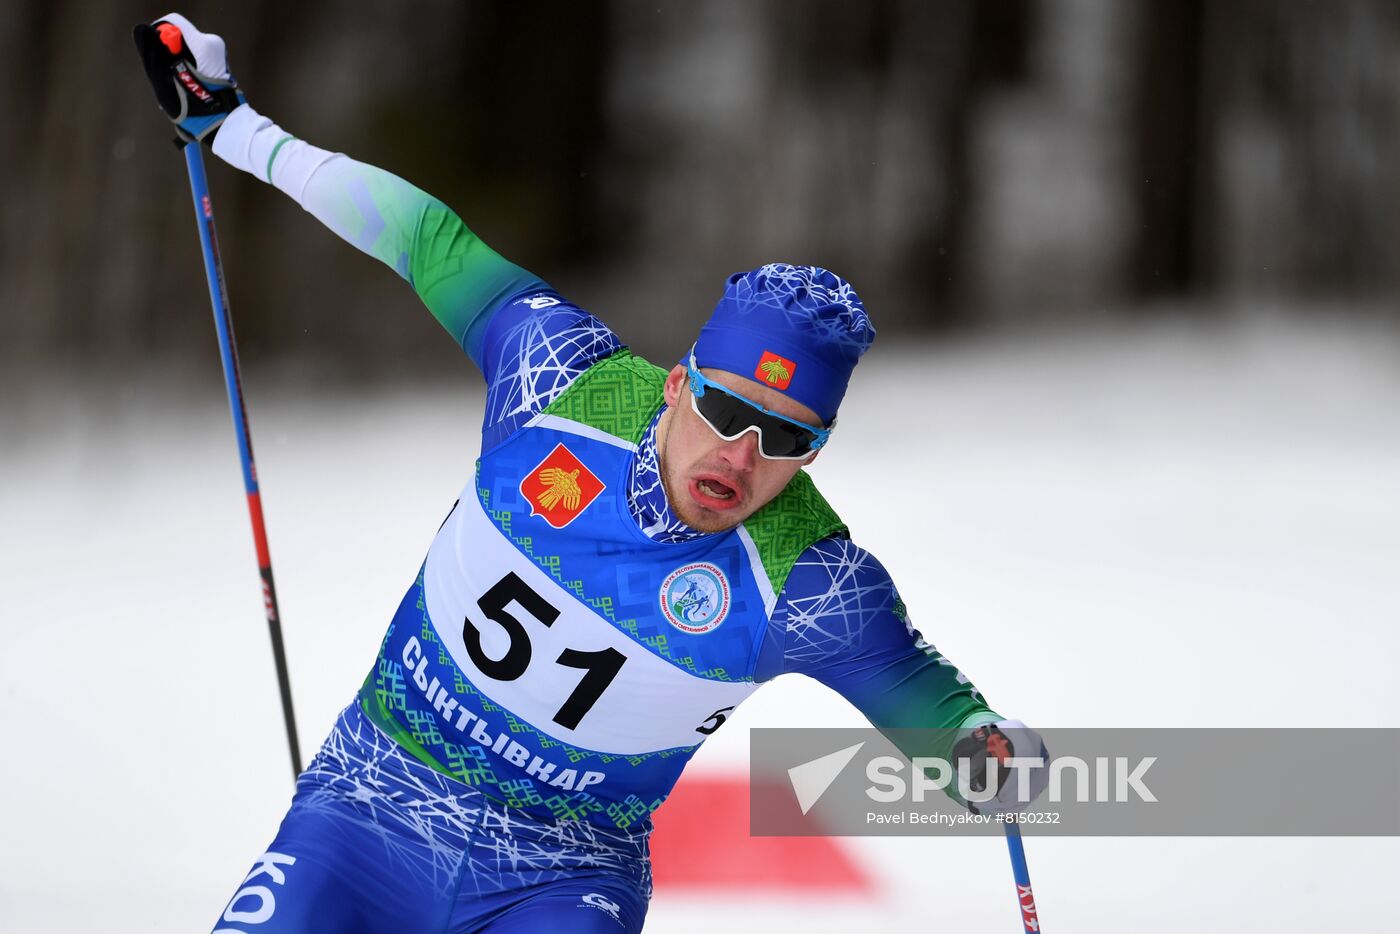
x=730, y=415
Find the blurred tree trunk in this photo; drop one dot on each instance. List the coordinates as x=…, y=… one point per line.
x=1307, y=143
x=1166, y=132
x=962, y=163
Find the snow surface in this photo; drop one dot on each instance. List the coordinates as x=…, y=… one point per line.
x=1165, y=526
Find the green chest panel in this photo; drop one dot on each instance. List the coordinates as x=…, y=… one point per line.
x=621, y=395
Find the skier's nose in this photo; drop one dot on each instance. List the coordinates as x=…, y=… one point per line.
x=742, y=452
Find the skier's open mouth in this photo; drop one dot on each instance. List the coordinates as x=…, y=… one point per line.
x=714, y=493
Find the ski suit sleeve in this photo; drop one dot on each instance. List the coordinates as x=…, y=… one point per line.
x=840, y=620
x=463, y=281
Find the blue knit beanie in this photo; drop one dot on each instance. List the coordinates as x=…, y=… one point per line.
x=798, y=329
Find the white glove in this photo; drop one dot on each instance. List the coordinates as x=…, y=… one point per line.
x=1022, y=767
x=188, y=71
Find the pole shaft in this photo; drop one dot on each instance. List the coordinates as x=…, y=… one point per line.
x=1025, y=898
x=228, y=351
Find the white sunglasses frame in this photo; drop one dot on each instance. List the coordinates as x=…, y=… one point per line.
x=695, y=407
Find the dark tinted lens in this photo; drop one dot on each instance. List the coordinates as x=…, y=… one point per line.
x=726, y=414
x=730, y=415
x=784, y=439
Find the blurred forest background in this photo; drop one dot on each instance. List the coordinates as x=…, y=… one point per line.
x=1135, y=266
x=968, y=165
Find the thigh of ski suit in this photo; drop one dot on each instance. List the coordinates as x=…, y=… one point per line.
x=579, y=906
x=377, y=841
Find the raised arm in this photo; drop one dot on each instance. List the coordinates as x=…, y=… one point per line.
x=462, y=280
x=529, y=342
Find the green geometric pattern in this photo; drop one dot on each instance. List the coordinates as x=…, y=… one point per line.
x=620, y=396
x=603, y=605
x=792, y=521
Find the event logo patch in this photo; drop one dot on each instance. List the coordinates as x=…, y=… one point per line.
x=774, y=370
x=695, y=598
x=560, y=487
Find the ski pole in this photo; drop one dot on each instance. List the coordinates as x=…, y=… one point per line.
x=223, y=324
x=1024, y=896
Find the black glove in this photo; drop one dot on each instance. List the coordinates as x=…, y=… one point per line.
x=189, y=73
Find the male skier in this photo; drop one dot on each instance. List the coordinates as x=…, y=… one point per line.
x=637, y=552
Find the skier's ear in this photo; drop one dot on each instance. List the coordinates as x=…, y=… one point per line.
x=675, y=385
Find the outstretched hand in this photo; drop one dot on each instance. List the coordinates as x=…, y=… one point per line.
x=188, y=70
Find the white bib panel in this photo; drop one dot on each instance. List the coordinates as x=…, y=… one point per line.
x=649, y=705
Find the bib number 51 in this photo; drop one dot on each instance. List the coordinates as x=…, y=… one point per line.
x=600, y=667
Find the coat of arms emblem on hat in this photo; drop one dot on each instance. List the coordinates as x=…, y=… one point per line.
x=775, y=371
